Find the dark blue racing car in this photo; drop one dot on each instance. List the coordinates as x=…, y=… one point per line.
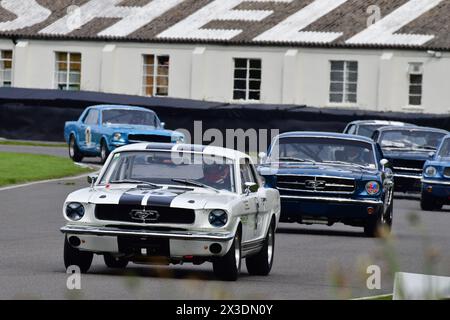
x=326, y=178
x=436, y=179
x=407, y=149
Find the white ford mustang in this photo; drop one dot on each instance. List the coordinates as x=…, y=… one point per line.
x=164, y=203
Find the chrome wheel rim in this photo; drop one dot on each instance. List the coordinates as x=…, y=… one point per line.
x=383, y=219
x=270, y=244
x=103, y=152
x=237, y=252
x=72, y=147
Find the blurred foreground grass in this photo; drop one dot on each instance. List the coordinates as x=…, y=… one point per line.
x=31, y=143
x=21, y=168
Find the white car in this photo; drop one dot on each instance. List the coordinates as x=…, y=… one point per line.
x=163, y=203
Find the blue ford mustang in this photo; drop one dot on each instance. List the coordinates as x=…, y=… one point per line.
x=436, y=178
x=326, y=178
x=407, y=148
x=102, y=128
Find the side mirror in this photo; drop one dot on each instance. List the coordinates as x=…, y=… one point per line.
x=251, y=187
x=431, y=155
x=383, y=163
x=163, y=125
x=92, y=179
x=262, y=157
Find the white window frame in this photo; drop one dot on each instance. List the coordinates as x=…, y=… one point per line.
x=247, y=79
x=411, y=73
x=155, y=75
x=67, y=84
x=3, y=70
x=346, y=71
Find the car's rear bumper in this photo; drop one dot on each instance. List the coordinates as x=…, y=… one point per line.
x=328, y=209
x=179, y=243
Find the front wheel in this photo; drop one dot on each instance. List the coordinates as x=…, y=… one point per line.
x=261, y=263
x=74, y=152
x=104, y=152
x=427, y=203
x=228, y=267
x=380, y=226
x=115, y=262
x=75, y=257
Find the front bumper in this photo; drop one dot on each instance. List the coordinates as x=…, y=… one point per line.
x=181, y=243
x=436, y=189
x=328, y=209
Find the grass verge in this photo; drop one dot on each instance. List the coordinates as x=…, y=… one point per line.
x=31, y=144
x=380, y=297
x=18, y=168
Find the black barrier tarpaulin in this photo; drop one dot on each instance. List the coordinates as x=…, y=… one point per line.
x=37, y=114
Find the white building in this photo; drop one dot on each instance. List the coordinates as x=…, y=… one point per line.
x=322, y=53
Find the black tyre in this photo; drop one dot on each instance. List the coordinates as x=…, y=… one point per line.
x=261, y=263
x=75, y=257
x=381, y=225
x=74, y=153
x=115, y=262
x=427, y=203
x=389, y=216
x=371, y=228
x=228, y=267
x=104, y=152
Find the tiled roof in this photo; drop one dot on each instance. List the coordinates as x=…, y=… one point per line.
x=415, y=24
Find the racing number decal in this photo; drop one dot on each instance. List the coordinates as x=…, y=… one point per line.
x=88, y=136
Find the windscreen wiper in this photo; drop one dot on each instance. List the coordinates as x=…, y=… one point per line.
x=292, y=159
x=194, y=183
x=130, y=181
x=345, y=163
x=431, y=148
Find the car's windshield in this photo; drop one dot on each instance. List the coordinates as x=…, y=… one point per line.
x=129, y=117
x=367, y=130
x=420, y=140
x=444, y=151
x=323, y=150
x=170, y=168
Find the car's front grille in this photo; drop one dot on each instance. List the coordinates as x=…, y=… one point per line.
x=300, y=183
x=149, y=215
x=408, y=167
x=150, y=138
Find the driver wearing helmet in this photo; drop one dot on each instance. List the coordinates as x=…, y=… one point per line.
x=356, y=155
x=217, y=176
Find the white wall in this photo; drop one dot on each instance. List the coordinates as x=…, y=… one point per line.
x=205, y=72
x=34, y=65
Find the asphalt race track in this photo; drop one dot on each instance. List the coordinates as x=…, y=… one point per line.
x=311, y=262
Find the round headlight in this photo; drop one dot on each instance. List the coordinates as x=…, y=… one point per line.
x=430, y=171
x=372, y=187
x=218, y=218
x=75, y=211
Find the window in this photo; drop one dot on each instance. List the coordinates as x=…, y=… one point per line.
x=344, y=81
x=415, y=84
x=68, y=71
x=156, y=75
x=247, y=175
x=6, y=68
x=247, y=79
x=92, y=118
x=351, y=129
